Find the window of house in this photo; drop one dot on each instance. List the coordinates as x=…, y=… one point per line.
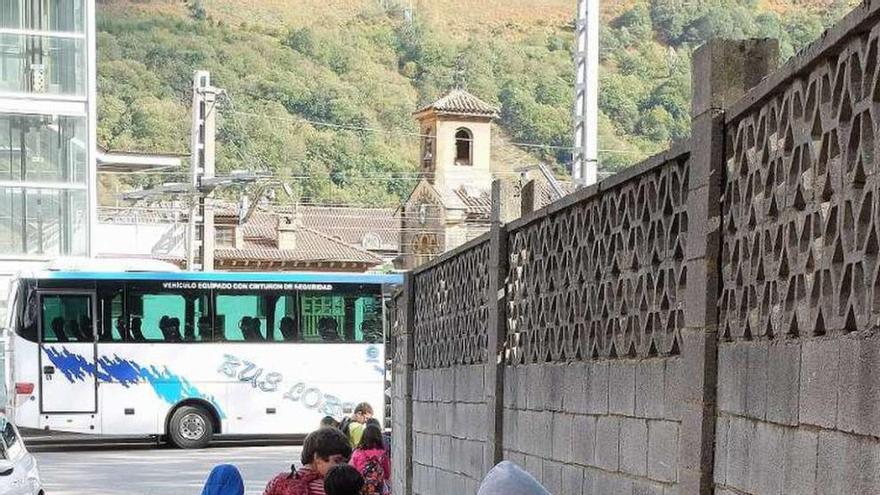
x=463, y=147
x=371, y=240
x=225, y=237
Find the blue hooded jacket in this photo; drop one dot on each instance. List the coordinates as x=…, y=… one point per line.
x=224, y=480
x=507, y=478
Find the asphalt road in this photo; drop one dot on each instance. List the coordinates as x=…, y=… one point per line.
x=157, y=471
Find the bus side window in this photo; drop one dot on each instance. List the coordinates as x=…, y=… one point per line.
x=341, y=317
x=286, y=322
x=167, y=317
x=328, y=329
x=67, y=317
x=29, y=311
x=243, y=317
x=322, y=316
x=368, y=319
x=112, y=327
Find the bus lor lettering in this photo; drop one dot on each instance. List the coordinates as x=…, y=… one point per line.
x=250, y=373
x=311, y=397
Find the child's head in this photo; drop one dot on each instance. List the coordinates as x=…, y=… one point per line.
x=343, y=479
x=371, y=438
x=224, y=479
x=329, y=421
x=362, y=412
x=325, y=448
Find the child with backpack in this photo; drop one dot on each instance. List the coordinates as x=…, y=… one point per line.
x=386, y=436
x=353, y=426
x=371, y=460
x=322, y=449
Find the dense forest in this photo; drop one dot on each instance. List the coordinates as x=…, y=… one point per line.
x=323, y=98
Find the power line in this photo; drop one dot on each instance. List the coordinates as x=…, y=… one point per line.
x=172, y=209
x=349, y=127
x=391, y=178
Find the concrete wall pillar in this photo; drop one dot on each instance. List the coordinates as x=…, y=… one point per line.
x=504, y=208
x=529, y=197
x=723, y=71
x=402, y=384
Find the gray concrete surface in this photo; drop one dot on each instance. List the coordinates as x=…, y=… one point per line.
x=157, y=471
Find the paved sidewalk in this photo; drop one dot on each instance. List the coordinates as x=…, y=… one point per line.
x=157, y=471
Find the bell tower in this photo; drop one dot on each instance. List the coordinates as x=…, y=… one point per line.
x=456, y=139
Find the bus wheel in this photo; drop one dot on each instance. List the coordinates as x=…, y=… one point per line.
x=190, y=428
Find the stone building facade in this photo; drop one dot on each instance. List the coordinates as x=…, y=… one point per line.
x=451, y=203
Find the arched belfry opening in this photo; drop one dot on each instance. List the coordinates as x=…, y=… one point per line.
x=464, y=147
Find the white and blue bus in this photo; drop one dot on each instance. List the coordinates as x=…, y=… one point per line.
x=187, y=356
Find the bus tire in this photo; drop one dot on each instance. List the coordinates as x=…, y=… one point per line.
x=191, y=427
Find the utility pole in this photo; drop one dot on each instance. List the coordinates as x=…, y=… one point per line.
x=199, y=191
x=200, y=231
x=585, y=157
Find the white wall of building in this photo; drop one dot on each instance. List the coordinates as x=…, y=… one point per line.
x=140, y=240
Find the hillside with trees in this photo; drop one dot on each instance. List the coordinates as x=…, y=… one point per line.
x=321, y=92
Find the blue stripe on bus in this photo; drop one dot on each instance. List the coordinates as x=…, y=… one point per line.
x=298, y=277
x=169, y=386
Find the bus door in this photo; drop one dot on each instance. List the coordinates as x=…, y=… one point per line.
x=67, y=352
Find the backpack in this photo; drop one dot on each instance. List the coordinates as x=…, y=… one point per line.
x=374, y=477
x=345, y=425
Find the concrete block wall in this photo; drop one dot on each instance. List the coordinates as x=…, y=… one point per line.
x=400, y=401
x=401, y=348
x=450, y=427
x=798, y=352
x=799, y=416
x=764, y=378
x=602, y=427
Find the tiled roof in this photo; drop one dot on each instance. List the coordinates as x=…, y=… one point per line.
x=259, y=236
x=353, y=225
x=311, y=246
x=260, y=243
x=163, y=213
x=459, y=101
x=477, y=201
x=252, y=231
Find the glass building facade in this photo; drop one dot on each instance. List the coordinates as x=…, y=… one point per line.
x=47, y=147
x=47, y=136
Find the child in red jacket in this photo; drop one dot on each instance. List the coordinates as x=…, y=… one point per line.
x=322, y=449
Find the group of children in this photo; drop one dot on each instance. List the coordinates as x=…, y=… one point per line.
x=347, y=458
x=352, y=458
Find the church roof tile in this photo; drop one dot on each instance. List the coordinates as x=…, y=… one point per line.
x=460, y=102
